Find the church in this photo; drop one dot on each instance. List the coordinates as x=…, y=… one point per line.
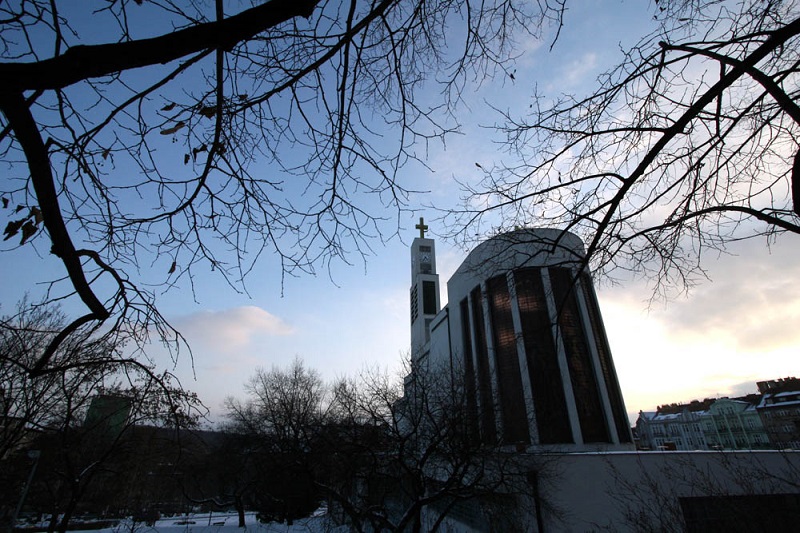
x=522, y=330
x=523, y=325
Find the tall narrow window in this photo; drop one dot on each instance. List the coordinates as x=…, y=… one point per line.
x=488, y=424
x=469, y=374
x=414, y=304
x=552, y=418
x=509, y=380
x=606, y=363
x=579, y=358
x=429, y=297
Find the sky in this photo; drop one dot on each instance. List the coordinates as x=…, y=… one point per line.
x=728, y=332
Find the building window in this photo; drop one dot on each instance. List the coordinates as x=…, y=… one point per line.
x=509, y=379
x=579, y=359
x=552, y=418
x=414, y=304
x=606, y=363
x=429, y=297
x=469, y=374
x=488, y=424
x=767, y=512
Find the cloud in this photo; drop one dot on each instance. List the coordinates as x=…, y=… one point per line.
x=729, y=332
x=750, y=303
x=752, y=300
x=575, y=73
x=227, y=346
x=743, y=389
x=232, y=331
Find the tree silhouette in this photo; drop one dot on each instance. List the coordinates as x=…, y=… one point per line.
x=689, y=144
x=150, y=141
x=80, y=413
x=272, y=456
x=406, y=460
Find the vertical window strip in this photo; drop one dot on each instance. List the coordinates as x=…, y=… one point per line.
x=488, y=423
x=429, y=297
x=469, y=375
x=579, y=359
x=509, y=380
x=606, y=363
x=552, y=418
x=414, y=304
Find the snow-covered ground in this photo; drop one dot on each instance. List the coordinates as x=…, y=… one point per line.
x=224, y=523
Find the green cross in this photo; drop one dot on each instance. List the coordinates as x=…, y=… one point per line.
x=421, y=227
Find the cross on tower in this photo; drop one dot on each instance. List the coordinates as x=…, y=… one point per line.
x=422, y=227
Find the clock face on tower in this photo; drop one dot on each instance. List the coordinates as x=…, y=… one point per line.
x=425, y=257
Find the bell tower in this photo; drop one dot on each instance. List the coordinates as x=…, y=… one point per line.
x=425, y=302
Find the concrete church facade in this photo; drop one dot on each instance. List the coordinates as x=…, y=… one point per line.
x=523, y=329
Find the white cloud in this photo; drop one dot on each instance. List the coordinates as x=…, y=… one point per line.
x=227, y=346
x=574, y=74
x=528, y=47
x=231, y=330
x=729, y=332
x=752, y=300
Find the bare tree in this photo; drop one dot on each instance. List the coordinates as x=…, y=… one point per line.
x=283, y=404
x=87, y=448
x=226, y=472
x=32, y=404
x=194, y=136
x=689, y=144
x=384, y=461
x=81, y=364
x=27, y=404
x=407, y=462
x=720, y=491
x=273, y=436
x=53, y=410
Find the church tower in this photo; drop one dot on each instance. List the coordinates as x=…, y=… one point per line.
x=425, y=302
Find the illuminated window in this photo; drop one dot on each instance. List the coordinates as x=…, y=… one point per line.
x=509, y=380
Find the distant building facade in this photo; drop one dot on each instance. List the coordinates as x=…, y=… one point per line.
x=769, y=420
x=734, y=424
x=671, y=430
x=779, y=410
x=108, y=414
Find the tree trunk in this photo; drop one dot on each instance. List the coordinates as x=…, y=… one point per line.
x=240, y=510
x=51, y=526
x=417, y=527
x=63, y=525
x=69, y=510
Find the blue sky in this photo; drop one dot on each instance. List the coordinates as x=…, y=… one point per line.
x=717, y=340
